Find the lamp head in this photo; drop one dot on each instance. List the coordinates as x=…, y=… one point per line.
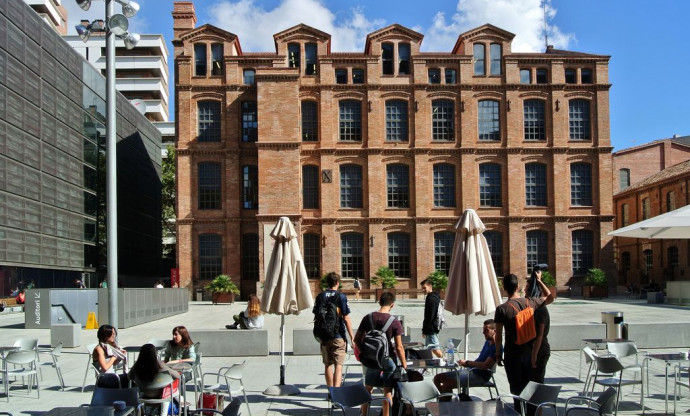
x=131, y=40
x=84, y=32
x=84, y=4
x=118, y=25
x=130, y=9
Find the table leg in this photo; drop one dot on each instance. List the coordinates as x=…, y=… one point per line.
x=666, y=389
x=579, y=375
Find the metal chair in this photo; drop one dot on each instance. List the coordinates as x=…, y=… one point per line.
x=490, y=384
x=194, y=374
x=89, y=364
x=29, y=344
x=414, y=392
x=611, y=365
x=55, y=355
x=680, y=379
x=627, y=349
x=25, y=365
x=160, y=381
x=591, y=359
x=603, y=405
x=230, y=375
x=352, y=395
x=536, y=394
x=105, y=397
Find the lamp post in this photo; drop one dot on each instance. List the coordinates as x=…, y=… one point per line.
x=116, y=25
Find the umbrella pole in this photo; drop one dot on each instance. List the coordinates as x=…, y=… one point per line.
x=282, y=350
x=467, y=335
x=282, y=389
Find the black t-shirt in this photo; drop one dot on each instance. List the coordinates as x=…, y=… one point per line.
x=380, y=320
x=505, y=314
x=541, y=315
x=343, y=308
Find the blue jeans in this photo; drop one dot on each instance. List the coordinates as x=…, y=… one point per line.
x=431, y=342
x=381, y=378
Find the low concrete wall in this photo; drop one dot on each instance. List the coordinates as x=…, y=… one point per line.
x=232, y=343
x=304, y=343
x=660, y=334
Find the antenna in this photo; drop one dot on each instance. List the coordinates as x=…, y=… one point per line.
x=546, y=33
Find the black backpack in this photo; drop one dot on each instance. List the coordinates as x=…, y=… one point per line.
x=440, y=320
x=374, y=350
x=326, y=319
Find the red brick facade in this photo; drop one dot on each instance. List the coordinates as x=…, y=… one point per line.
x=279, y=153
x=645, y=160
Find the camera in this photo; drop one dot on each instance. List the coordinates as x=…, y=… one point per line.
x=540, y=267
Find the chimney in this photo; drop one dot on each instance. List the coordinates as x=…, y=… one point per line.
x=184, y=17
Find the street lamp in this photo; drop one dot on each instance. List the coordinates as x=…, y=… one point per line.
x=116, y=25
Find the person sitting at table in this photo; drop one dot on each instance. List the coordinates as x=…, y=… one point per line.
x=106, y=356
x=144, y=371
x=474, y=372
x=251, y=318
x=181, y=347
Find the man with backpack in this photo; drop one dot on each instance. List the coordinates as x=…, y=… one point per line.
x=433, y=318
x=379, y=342
x=331, y=321
x=514, y=315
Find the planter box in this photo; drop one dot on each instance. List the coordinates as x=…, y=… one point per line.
x=595, y=292
x=223, y=297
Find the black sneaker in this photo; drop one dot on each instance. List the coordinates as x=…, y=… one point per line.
x=230, y=326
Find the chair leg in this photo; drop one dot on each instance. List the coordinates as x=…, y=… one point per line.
x=86, y=373
x=244, y=391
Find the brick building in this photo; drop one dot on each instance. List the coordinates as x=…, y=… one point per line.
x=641, y=260
x=374, y=155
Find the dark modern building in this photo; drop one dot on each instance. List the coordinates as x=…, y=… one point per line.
x=52, y=165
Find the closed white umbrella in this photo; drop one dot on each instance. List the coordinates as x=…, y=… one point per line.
x=286, y=289
x=674, y=224
x=472, y=285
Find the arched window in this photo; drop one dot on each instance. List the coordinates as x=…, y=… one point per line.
x=396, y=120
x=444, y=185
x=581, y=184
x=350, y=186
x=310, y=187
x=578, y=113
x=490, y=185
x=442, y=120
x=312, y=255
x=534, y=120
x=479, y=58
x=250, y=187
x=623, y=178
x=209, y=186
x=494, y=239
x=217, y=59
x=489, y=121
x=398, y=186
x=582, y=251
x=210, y=256
x=350, y=120
x=495, y=51
x=537, y=248
x=200, y=59
x=535, y=184
x=208, y=116
x=310, y=121
x=399, y=254
x=352, y=255
x=443, y=250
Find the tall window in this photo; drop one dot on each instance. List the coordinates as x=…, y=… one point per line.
x=350, y=186
x=396, y=120
x=444, y=185
x=578, y=112
x=310, y=187
x=625, y=261
x=670, y=201
x=387, y=58
x=525, y=76
x=200, y=59
x=494, y=240
x=582, y=252
x=250, y=187
x=210, y=256
x=648, y=257
x=570, y=76
x=479, y=59
x=310, y=58
x=434, y=75
x=581, y=184
x=209, y=121
x=351, y=121
x=495, y=51
x=442, y=120
x=534, y=120
x=451, y=76
x=403, y=58
x=672, y=256
x=490, y=185
x=535, y=184
x=399, y=254
x=250, y=124
x=646, y=208
x=586, y=76
x=310, y=121
x=624, y=178
x=248, y=76
x=209, y=185
x=357, y=76
x=293, y=55
x=352, y=255
x=537, y=249
x=250, y=257
x=443, y=250
x=397, y=179
x=217, y=59
x=625, y=215
x=312, y=255
x=489, y=124
x=341, y=75
x=542, y=76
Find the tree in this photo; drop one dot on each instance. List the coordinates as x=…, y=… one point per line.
x=168, y=198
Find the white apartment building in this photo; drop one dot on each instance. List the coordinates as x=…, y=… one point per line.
x=141, y=73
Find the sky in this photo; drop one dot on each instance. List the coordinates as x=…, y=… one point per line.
x=648, y=70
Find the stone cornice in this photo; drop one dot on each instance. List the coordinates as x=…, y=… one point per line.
x=578, y=220
x=278, y=145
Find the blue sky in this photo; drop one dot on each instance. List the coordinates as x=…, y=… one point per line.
x=650, y=96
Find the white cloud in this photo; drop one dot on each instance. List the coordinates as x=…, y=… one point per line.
x=524, y=18
x=255, y=25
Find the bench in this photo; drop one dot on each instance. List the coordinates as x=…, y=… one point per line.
x=362, y=292
x=400, y=293
x=8, y=302
x=231, y=343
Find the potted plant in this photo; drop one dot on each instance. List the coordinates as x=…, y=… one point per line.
x=549, y=281
x=596, y=284
x=223, y=289
x=439, y=282
x=386, y=278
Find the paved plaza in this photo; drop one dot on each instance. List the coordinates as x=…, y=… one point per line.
x=307, y=371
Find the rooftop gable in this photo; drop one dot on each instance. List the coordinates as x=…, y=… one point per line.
x=302, y=32
x=213, y=33
x=486, y=31
x=394, y=30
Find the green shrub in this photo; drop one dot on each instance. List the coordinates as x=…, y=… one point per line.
x=439, y=280
x=596, y=277
x=548, y=279
x=222, y=284
x=385, y=277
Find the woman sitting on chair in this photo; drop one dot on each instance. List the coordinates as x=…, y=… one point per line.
x=181, y=347
x=106, y=356
x=145, y=370
x=251, y=318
